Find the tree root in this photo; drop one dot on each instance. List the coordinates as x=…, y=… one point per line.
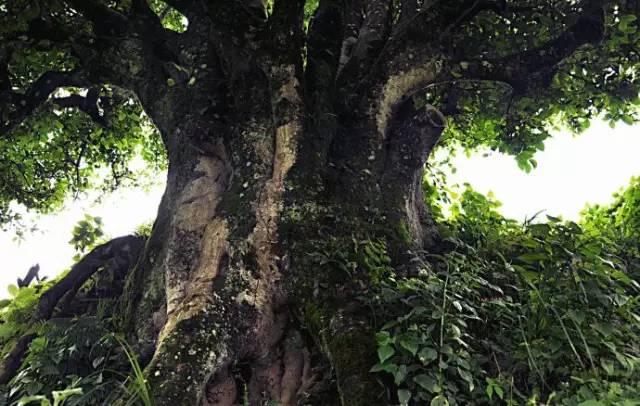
x=119, y=253
x=282, y=375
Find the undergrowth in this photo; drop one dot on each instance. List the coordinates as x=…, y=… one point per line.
x=515, y=314
x=75, y=358
x=540, y=313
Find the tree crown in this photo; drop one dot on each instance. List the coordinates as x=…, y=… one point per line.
x=75, y=92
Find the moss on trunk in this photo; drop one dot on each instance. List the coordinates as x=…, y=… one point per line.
x=279, y=215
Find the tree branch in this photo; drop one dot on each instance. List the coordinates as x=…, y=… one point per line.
x=237, y=16
x=411, y=65
x=371, y=39
x=88, y=104
x=125, y=249
x=106, y=21
x=30, y=276
x=26, y=103
x=408, y=10
x=146, y=21
x=415, y=42
x=535, y=67
x=439, y=16
x=116, y=43
x=12, y=361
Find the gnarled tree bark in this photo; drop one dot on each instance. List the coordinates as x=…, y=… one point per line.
x=271, y=156
x=266, y=164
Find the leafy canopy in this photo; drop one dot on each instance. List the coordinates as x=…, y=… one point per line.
x=66, y=116
x=596, y=81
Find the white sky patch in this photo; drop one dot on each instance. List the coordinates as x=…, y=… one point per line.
x=572, y=172
x=121, y=213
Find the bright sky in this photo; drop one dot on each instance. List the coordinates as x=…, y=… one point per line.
x=571, y=172
x=121, y=213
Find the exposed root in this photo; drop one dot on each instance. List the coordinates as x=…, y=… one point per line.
x=282, y=375
x=117, y=254
x=222, y=390
x=12, y=361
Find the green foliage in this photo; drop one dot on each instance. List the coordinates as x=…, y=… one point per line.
x=619, y=220
x=136, y=385
x=16, y=313
x=355, y=257
x=508, y=313
x=86, y=234
x=73, y=360
x=70, y=354
x=169, y=16
x=144, y=229
x=56, y=151
x=61, y=151
x=58, y=397
x=596, y=81
x=310, y=7
x=82, y=356
x=518, y=313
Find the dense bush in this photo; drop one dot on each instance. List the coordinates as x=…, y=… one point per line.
x=541, y=312
x=75, y=357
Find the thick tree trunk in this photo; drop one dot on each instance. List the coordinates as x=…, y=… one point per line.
x=238, y=296
x=241, y=295
x=290, y=147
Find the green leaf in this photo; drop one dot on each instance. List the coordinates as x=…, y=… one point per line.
x=7, y=330
x=576, y=315
x=605, y=329
x=410, y=344
x=400, y=375
x=533, y=257
x=439, y=400
x=427, y=354
x=404, y=396
x=385, y=352
x=466, y=375
x=383, y=338
x=13, y=290
x=591, y=402
x=455, y=330
x=608, y=366
x=390, y=368
x=428, y=383
x=489, y=391
x=97, y=362
x=625, y=24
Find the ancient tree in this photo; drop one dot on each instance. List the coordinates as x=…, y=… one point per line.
x=289, y=126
